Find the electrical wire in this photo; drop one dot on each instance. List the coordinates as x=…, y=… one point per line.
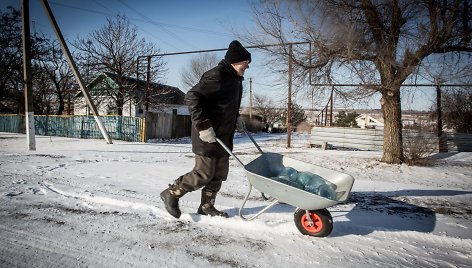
x=149, y=20
x=145, y=19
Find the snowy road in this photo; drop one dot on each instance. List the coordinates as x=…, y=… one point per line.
x=83, y=203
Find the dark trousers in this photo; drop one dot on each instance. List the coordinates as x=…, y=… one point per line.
x=209, y=173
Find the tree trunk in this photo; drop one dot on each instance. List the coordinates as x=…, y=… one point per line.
x=60, y=110
x=393, y=141
x=119, y=106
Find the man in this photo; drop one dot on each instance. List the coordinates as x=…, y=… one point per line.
x=214, y=107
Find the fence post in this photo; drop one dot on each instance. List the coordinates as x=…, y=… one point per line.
x=142, y=129
x=173, y=133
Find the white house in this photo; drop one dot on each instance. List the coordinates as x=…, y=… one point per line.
x=160, y=98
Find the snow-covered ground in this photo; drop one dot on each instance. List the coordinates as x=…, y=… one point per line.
x=85, y=203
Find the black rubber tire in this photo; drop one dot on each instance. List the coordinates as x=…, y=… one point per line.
x=323, y=222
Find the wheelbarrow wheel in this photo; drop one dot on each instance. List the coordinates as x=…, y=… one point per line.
x=321, y=219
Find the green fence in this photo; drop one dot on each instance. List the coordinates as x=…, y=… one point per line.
x=78, y=126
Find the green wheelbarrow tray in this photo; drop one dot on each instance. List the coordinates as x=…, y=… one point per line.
x=260, y=170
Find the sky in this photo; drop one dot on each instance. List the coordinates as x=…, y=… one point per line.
x=86, y=203
x=181, y=26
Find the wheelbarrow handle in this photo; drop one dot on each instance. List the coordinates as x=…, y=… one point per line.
x=232, y=154
x=229, y=151
x=253, y=141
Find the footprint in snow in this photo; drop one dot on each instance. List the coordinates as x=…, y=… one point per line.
x=14, y=193
x=37, y=191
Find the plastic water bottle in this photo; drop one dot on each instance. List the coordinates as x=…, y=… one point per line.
x=305, y=178
x=288, y=173
x=284, y=180
x=311, y=181
x=294, y=184
x=326, y=191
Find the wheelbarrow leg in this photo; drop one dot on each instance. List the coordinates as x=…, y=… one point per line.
x=260, y=212
x=310, y=221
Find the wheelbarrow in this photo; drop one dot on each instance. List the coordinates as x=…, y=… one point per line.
x=311, y=215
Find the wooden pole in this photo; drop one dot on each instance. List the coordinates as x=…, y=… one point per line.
x=148, y=82
x=75, y=70
x=27, y=83
x=250, y=98
x=289, y=98
x=331, y=108
x=441, y=147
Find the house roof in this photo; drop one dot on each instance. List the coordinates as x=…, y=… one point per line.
x=159, y=93
x=372, y=119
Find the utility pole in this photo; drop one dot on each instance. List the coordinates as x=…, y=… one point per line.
x=250, y=98
x=331, y=108
x=289, y=98
x=148, y=82
x=27, y=79
x=75, y=70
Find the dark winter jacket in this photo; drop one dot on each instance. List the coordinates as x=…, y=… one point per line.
x=214, y=102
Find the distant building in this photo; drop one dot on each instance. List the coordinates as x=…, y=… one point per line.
x=374, y=121
x=160, y=98
x=410, y=119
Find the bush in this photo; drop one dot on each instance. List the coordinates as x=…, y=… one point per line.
x=417, y=147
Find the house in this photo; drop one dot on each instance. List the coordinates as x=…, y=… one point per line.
x=374, y=121
x=160, y=98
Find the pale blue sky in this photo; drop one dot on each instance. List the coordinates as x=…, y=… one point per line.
x=174, y=26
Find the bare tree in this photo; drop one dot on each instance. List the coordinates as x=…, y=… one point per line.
x=198, y=65
x=54, y=77
x=457, y=109
x=11, y=72
x=297, y=114
x=265, y=108
x=379, y=44
x=115, y=48
x=44, y=58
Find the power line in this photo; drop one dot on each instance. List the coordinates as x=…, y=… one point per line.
x=145, y=20
x=110, y=15
x=154, y=23
x=81, y=8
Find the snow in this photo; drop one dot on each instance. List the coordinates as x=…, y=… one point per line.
x=85, y=203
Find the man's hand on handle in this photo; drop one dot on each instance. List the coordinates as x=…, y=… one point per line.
x=208, y=135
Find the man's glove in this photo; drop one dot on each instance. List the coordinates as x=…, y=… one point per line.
x=240, y=124
x=207, y=135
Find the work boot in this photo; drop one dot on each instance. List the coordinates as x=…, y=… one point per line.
x=170, y=197
x=207, y=206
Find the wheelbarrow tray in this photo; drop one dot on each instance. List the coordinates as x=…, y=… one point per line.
x=260, y=170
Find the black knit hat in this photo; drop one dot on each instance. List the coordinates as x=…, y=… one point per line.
x=237, y=53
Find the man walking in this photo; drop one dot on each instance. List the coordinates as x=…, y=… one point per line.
x=214, y=107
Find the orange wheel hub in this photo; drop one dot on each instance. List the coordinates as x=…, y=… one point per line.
x=317, y=223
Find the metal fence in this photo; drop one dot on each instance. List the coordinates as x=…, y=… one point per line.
x=78, y=126
x=372, y=139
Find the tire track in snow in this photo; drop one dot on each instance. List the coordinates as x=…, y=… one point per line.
x=26, y=249
x=271, y=226
x=107, y=201
x=427, y=249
